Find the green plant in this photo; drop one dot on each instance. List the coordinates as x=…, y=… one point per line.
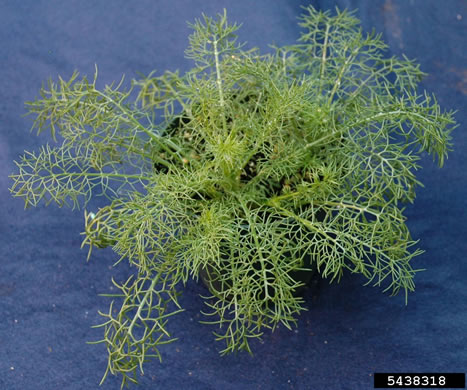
x=243, y=166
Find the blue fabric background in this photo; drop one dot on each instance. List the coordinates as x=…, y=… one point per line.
x=49, y=294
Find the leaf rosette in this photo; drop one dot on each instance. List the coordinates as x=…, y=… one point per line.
x=254, y=166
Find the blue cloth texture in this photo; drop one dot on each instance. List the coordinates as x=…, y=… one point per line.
x=49, y=294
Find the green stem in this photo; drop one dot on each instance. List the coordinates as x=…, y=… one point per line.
x=218, y=74
x=337, y=83
x=258, y=247
x=363, y=121
x=323, y=58
x=120, y=143
x=142, y=303
x=219, y=84
x=275, y=202
x=153, y=136
x=101, y=174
